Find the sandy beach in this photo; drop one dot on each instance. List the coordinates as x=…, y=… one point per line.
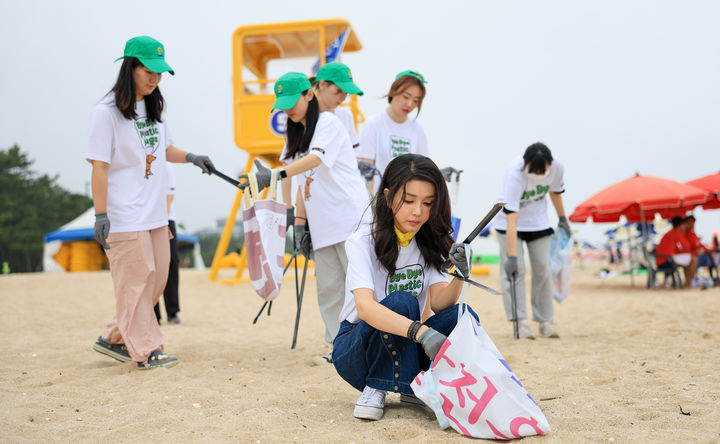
x=628, y=364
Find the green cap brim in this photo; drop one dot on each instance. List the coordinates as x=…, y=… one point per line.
x=349, y=87
x=286, y=102
x=158, y=66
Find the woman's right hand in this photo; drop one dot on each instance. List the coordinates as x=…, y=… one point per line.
x=431, y=341
x=102, y=229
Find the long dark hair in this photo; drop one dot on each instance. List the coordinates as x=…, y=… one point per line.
x=125, y=98
x=298, y=135
x=537, y=156
x=433, y=238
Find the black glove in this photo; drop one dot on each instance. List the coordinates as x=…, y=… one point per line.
x=202, y=162
x=366, y=169
x=290, y=221
x=511, y=266
x=102, y=229
x=564, y=225
x=458, y=257
x=431, y=341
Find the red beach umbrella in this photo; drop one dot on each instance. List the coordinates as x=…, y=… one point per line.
x=710, y=183
x=638, y=199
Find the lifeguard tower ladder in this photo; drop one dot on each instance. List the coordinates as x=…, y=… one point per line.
x=257, y=130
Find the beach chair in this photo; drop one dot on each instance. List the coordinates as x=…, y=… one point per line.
x=669, y=269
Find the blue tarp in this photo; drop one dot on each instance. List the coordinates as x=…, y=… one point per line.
x=88, y=233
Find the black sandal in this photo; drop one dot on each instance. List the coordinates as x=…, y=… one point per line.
x=158, y=359
x=116, y=351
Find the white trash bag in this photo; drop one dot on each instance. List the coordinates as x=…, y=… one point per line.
x=472, y=389
x=264, y=224
x=561, y=264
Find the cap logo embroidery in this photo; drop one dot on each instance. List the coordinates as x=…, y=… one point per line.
x=349, y=74
x=160, y=51
x=279, y=89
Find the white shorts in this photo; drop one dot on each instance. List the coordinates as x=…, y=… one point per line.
x=682, y=259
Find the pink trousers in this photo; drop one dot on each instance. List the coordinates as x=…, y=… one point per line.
x=139, y=263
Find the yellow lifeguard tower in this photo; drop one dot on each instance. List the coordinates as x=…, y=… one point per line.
x=261, y=53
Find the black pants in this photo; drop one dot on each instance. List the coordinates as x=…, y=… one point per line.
x=172, y=306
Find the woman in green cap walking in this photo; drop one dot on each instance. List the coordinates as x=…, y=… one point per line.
x=332, y=196
x=128, y=146
x=392, y=133
x=333, y=83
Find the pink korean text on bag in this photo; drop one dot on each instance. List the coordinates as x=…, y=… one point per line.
x=264, y=224
x=472, y=389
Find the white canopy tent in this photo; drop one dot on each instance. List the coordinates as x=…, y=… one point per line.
x=82, y=229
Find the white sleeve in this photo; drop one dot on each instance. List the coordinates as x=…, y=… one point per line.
x=512, y=188
x=558, y=183
x=282, y=154
x=360, y=263
x=327, y=139
x=347, y=119
x=422, y=142
x=368, y=140
x=100, y=142
x=434, y=276
x=168, y=135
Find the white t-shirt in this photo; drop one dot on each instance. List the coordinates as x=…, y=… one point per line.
x=412, y=274
x=135, y=150
x=334, y=192
x=383, y=139
x=171, y=189
x=526, y=196
x=346, y=117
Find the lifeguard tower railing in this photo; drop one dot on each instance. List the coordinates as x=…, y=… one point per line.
x=260, y=54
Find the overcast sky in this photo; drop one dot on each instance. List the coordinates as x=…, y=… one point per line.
x=612, y=87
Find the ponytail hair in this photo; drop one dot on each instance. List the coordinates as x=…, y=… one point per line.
x=433, y=238
x=537, y=157
x=298, y=136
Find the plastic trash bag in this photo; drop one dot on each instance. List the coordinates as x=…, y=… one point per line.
x=561, y=264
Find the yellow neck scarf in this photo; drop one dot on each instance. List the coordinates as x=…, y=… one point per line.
x=403, y=239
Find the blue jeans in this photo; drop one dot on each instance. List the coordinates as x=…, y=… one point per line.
x=364, y=356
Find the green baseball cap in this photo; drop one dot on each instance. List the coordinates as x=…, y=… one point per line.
x=339, y=74
x=149, y=51
x=288, y=89
x=415, y=74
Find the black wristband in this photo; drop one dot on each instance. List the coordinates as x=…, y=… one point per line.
x=413, y=329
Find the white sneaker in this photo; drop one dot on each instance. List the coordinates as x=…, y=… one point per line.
x=370, y=404
x=524, y=330
x=547, y=330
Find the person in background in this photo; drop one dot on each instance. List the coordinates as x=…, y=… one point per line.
x=332, y=83
x=675, y=249
x=528, y=180
x=392, y=133
x=128, y=146
x=170, y=294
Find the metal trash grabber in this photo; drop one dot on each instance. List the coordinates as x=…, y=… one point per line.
x=228, y=179
x=513, y=306
x=299, y=288
x=473, y=234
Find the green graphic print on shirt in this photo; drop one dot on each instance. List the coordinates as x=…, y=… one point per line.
x=399, y=145
x=533, y=195
x=150, y=138
x=408, y=278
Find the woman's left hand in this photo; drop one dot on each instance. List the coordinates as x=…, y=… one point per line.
x=458, y=257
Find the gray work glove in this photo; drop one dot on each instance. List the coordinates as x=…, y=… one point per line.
x=301, y=236
x=290, y=221
x=448, y=172
x=263, y=175
x=366, y=169
x=102, y=229
x=431, y=341
x=459, y=258
x=202, y=162
x=511, y=266
x=564, y=225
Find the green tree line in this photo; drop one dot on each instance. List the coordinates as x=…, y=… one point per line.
x=31, y=204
